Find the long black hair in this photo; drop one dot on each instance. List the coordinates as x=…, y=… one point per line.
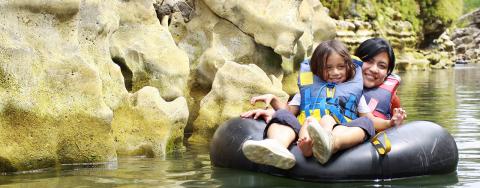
x=372, y=47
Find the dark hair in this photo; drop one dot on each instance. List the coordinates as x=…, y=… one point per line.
x=372, y=47
x=321, y=54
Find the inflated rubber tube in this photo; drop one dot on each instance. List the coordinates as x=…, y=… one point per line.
x=418, y=148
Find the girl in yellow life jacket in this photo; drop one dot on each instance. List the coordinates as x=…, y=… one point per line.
x=332, y=98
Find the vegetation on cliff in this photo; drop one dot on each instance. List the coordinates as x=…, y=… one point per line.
x=429, y=18
x=470, y=5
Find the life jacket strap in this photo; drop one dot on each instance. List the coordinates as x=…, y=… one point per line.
x=307, y=101
x=350, y=107
x=323, y=106
x=382, y=147
x=330, y=92
x=336, y=114
x=391, y=83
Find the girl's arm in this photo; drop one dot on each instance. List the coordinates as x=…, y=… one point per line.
x=270, y=99
x=277, y=104
x=267, y=113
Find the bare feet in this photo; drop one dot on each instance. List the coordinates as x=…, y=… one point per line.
x=305, y=146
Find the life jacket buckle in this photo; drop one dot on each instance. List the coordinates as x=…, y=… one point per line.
x=330, y=85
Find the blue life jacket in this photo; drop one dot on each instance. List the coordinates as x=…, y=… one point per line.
x=319, y=98
x=379, y=98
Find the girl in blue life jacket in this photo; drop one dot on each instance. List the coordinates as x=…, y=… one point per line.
x=326, y=115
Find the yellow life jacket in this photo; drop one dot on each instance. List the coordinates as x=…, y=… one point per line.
x=319, y=98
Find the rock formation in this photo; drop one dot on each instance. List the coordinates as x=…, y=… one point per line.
x=230, y=96
x=408, y=25
x=60, y=89
x=467, y=38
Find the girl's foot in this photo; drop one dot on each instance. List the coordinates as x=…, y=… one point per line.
x=322, y=142
x=268, y=152
x=305, y=146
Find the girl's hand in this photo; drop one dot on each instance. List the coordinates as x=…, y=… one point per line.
x=267, y=99
x=398, y=116
x=265, y=114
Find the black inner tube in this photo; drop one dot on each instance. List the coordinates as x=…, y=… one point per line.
x=418, y=148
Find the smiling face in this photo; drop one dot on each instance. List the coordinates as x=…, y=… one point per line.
x=375, y=70
x=336, y=68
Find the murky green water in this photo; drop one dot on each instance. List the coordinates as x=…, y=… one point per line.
x=450, y=98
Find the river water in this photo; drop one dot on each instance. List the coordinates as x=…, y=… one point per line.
x=450, y=98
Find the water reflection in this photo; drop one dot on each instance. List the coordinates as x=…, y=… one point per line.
x=428, y=96
x=467, y=133
x=450, y=98
x=248, y=179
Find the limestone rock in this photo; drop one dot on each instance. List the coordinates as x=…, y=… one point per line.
x=232, y=89
x=145, y=124
x=277, y=24
x=271, y=23
x=210, y=41
x=401, y=34
x=166, y=8
x=467, y=39
x=295, y=30
x=52, y=109
x=59, y=87
x=411, y=60
x=147, y=53
x=317, y=27
x=440, y=60
x=354, y=32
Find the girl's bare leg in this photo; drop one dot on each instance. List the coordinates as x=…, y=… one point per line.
x=347, y=137
x=327, y=122
x=281, y=133
x=344, y=137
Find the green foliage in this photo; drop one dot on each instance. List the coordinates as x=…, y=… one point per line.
x=380, y=10
x=429, y=18
x=449, y=10
x=444, y=10
x=470, y=5
x=410, y=12
x=338, y=9
x=416, y=12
